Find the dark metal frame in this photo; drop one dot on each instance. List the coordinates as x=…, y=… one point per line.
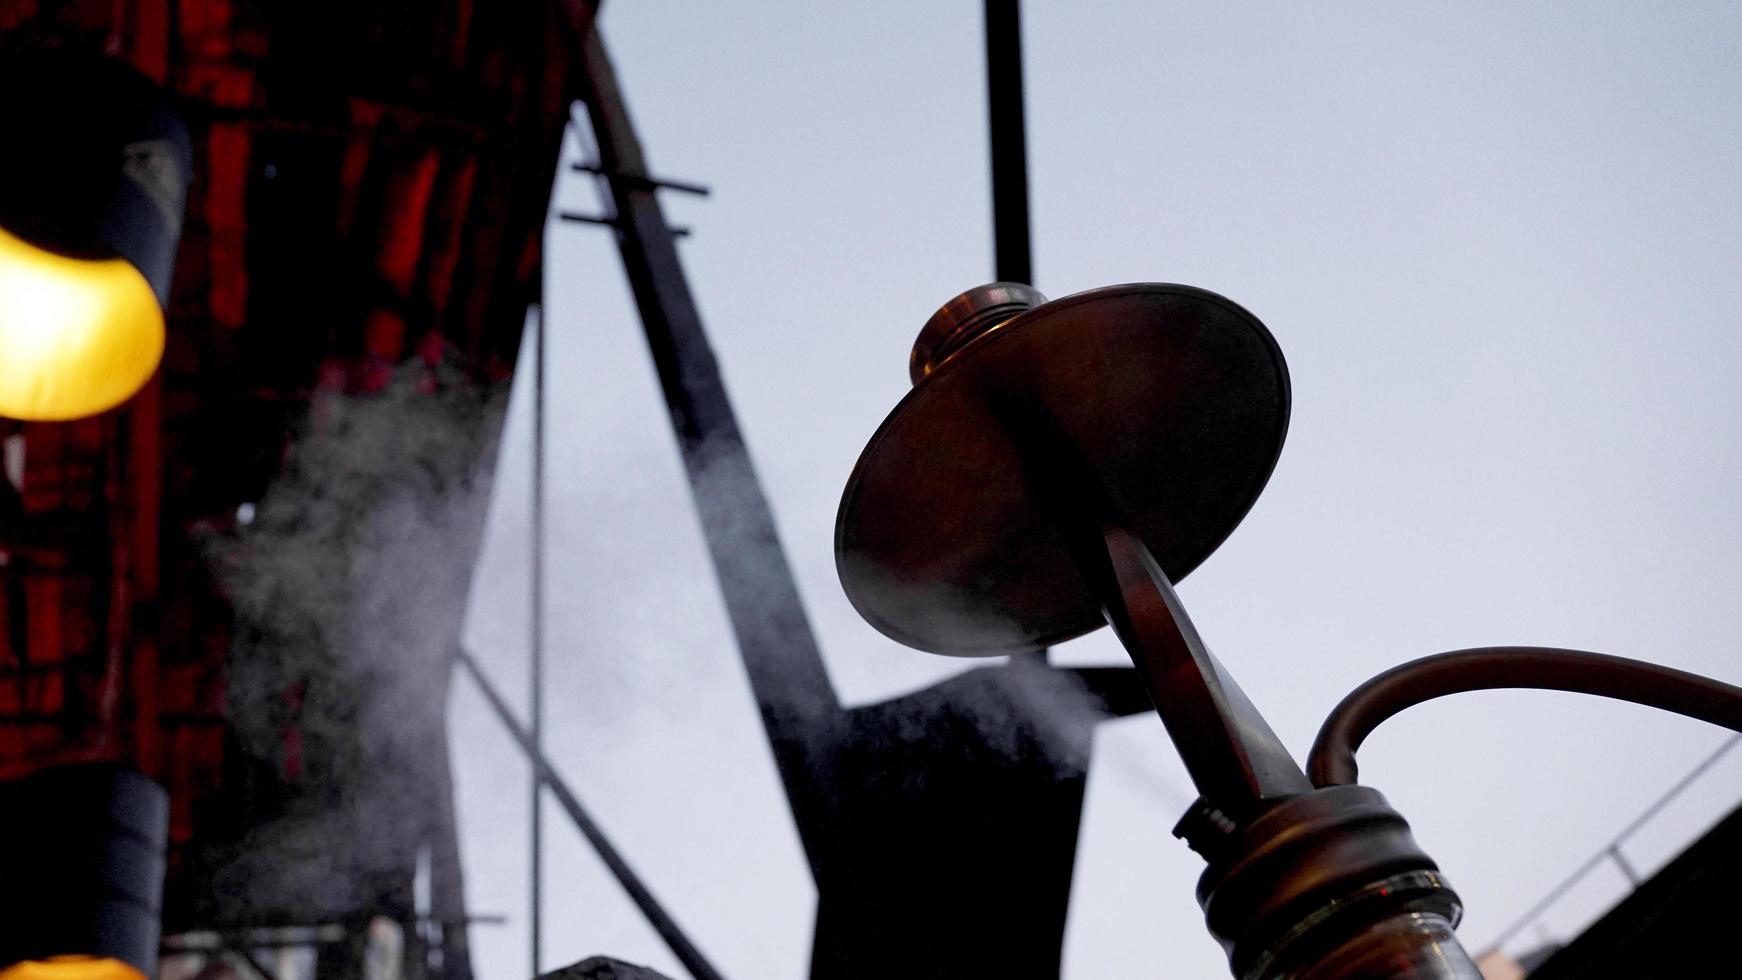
x=1297, y=866
x=1611, y=851
x=546, y=775
x=843, y=818
x=800, y=710
x=1012, y=254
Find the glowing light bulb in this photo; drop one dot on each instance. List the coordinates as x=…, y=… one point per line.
x=77, y=336
x=71, y=968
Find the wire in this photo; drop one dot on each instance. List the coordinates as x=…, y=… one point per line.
x=1332, y=761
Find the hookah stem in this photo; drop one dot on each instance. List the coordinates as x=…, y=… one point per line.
x=1234, y=758
x=1300, y=880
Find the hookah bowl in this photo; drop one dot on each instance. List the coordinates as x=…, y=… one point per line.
x=1056, y=467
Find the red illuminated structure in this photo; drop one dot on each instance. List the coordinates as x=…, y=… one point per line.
x=369, y=200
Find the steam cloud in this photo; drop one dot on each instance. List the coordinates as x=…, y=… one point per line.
x=349, y=587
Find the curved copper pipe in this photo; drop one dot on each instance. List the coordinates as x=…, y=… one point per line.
x=1332, y=761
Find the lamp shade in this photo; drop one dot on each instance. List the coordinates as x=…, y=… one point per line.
x=93, y=186
x=83, y=883
x=72, y=968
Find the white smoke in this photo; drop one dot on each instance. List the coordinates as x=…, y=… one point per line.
x=349, y=586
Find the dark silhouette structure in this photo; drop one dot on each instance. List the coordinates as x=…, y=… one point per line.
x=940, y=827
x=362, y=244
x=958, y=812
x=1676, y=924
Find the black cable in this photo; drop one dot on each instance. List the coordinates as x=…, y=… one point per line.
x=1332, y=761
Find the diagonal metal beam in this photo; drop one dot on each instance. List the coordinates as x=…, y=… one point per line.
x=800, y=710
x=656, y=915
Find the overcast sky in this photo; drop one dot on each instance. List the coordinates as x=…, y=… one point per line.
x=1501, y=248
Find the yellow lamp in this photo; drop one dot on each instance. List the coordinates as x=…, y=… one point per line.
x=93, y=183
x=77, y=336
x=72, y=968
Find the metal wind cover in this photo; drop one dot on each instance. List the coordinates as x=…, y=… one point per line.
x=84, y=865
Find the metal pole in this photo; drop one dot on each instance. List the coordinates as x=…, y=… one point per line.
x=1010, y=239
x=535, y=673
x=662, y=922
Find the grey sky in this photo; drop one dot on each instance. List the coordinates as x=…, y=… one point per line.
x=1501, y=247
